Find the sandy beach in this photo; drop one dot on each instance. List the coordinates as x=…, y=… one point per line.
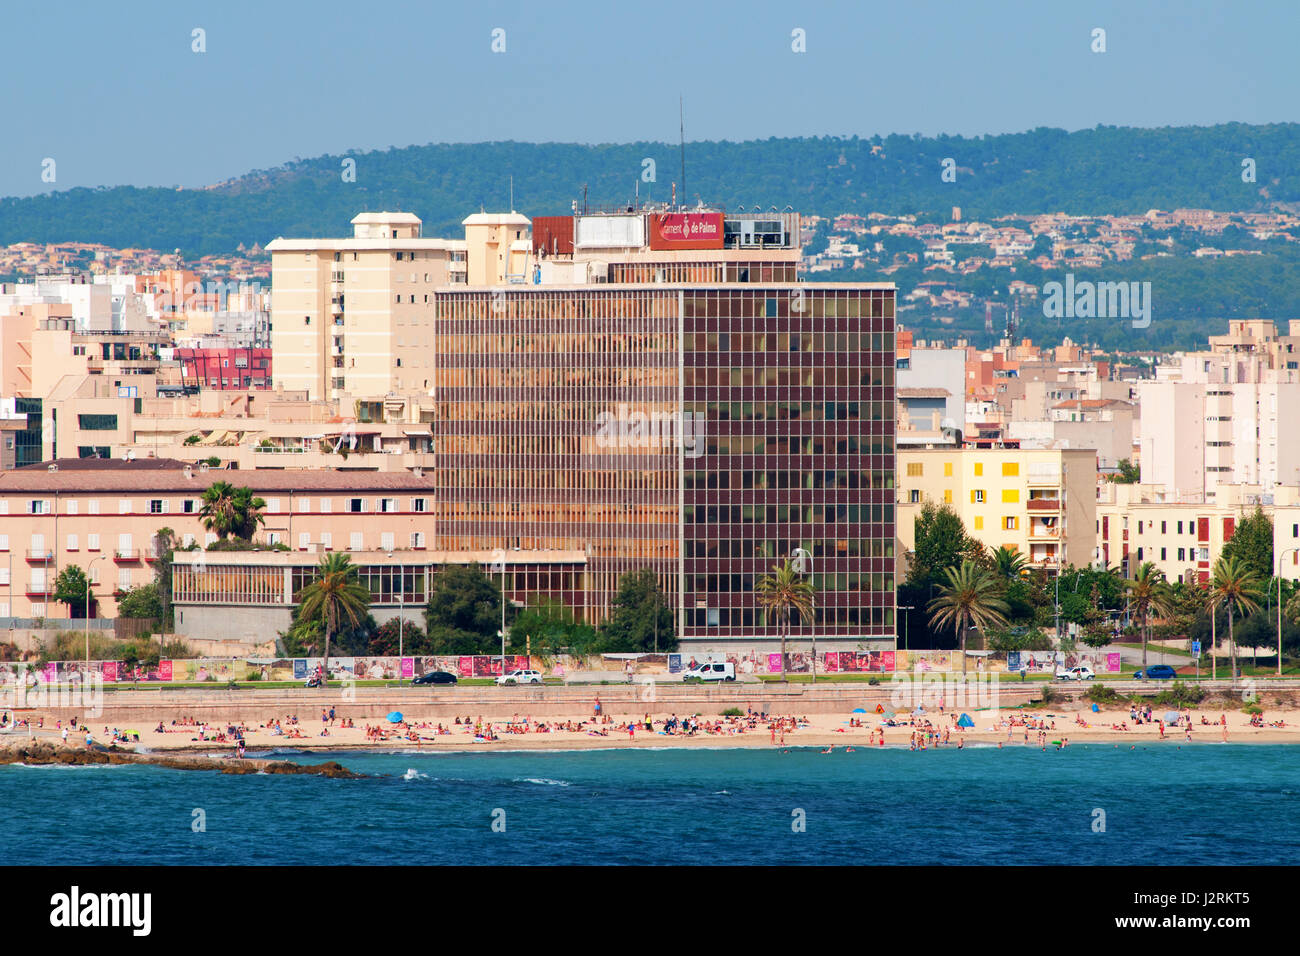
x=1037, y=727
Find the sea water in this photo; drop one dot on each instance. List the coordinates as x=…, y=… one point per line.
x=1087, y=803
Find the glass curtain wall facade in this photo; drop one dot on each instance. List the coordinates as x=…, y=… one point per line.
x=797, y=389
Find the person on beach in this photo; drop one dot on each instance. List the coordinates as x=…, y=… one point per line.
x=596, y=709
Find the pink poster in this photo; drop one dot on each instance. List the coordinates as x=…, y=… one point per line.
x=408, y=667
x=466, y=666
x=110, y=671
x=1112, y=663
x=51, y=673
x=832, y=662
x=164, y=670
x=888, y=661
x=774, y=663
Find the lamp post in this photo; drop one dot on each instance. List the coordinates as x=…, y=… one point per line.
x=905, y=608
x=88, y=576
x=1279, y=607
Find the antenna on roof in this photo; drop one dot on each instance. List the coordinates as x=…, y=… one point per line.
x=681, y=117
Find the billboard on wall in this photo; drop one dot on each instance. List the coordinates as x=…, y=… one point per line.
x=686, y=230
x=609, y=232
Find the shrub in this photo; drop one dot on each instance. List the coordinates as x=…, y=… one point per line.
x=1049, y=694
x=1180, y=695
x=733, y=712
x=1101, y=694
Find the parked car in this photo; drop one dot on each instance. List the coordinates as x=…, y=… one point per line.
x=1156, y=672
x=711, y=671
x=521, y=677
x=1082, y=672
x=435, y=677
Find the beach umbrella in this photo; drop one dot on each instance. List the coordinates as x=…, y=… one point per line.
x=965, y=721
x=395, y=717
x=859, y=710
x=1171, y=716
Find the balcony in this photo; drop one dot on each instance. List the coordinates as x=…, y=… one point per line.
x=151, y=555
x=1043, y=504
x=40, y=588
x=126, y=555
x=1043, y=532
x=40, y=557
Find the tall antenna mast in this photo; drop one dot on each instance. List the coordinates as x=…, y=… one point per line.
x=681, y=116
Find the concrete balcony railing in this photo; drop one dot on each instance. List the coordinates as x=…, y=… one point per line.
x=1043, y=504
x=40, y=557
x=122, y=555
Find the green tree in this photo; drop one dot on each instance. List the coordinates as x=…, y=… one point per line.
x=335, y=594
x=1151, y=594
x=1252, y=542
x=70, y=588
x=140, y=602
x=940, y=543
x=1009, y=562
x=1233, y=585
x=1129, y=474
x=548, y=625
x=640, y=619
x=229, y=511
x=784, y=593
x=971, y=597
x=464, y=611
x=164, y=544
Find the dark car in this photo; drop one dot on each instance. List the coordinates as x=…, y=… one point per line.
x=435, y=677
x=1156, y=672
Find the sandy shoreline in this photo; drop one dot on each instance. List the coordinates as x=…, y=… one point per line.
x=991, y=728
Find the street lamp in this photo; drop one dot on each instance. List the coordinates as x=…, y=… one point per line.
x=905, y=608
x=1279, y=607
x=88, y=576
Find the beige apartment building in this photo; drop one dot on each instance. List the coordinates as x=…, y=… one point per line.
x=1140, y=523
x=1041, y=502
x=102, y=515
x=354, y=316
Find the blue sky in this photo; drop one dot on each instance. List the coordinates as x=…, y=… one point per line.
x=114, y=94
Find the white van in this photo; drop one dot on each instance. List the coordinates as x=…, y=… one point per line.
x=711, y=671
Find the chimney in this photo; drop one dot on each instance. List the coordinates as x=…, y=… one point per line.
x=189, y=471
x=53, y=467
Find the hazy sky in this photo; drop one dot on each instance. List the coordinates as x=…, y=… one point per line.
x=115, y=95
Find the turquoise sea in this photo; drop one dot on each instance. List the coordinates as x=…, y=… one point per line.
x=1198, y=804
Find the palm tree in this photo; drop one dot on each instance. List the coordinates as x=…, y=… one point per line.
x=1009, y=562
x=971, y=598
x=218, y=511
x=334, y=595
x=1236, y=586
x=228, y=510
x=783, y=591
x=1150, y=593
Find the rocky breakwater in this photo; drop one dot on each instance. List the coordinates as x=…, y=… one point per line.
x=41, y=752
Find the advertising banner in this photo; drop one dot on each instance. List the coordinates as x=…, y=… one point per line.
x=686, y=230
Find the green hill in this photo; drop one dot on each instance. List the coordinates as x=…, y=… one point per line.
x=1103, y=170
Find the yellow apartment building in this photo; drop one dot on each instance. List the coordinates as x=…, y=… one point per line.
x=1041, y=502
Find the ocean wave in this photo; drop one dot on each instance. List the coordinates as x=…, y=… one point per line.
x=543, y=781
x=413, y=774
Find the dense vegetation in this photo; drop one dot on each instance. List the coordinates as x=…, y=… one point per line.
x=1102, y=170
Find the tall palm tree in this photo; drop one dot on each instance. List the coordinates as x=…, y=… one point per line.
x=783, y=592
x=1234, y=585
x=1009, y=562
x=334, y=595
x=971, y=598
x=248, y=513
x=1150, y=593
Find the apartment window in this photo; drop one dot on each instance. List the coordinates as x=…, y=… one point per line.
x=914, y=496
x=356, y=505
x=209, y=539
x=979, y=469
x=1295, y=531
x=71, y=507
x=4, y=542
x=947, y=496
x=304, y=539
x=386, y=541
x=914, y=469
x=417, y=539
x=273, y=505
x=187, y=541
x=38, y=610
x=979, y=522
x=72, y=542
x=326, y=541
x=1163, y=554
x=97, y=423
x=1164, y=527
x=92, y=542
x=124, y=506
x=1139, y=527
x=1180, y=527
x=419, y=505
x=356, y=541
x=325, y=506
x=1010, y=469
x=387, y=505
x=1182, y=554
x=977, y=496
x=187, y=506
x=1139, y=554
x=124, y=579
x=157, y=506
x=1010, y=496
x=92, y=506
x=273, y=538
x=1010, y=523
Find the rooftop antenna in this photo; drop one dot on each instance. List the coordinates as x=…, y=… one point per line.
x=681, y=117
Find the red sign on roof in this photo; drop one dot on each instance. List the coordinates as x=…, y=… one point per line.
x=686, y=230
